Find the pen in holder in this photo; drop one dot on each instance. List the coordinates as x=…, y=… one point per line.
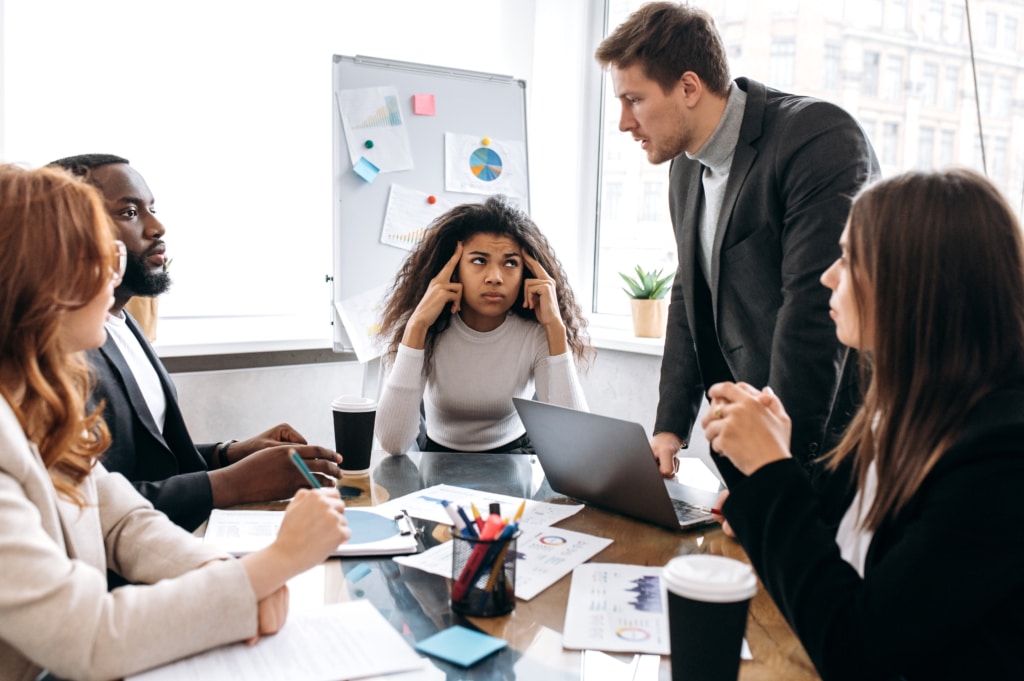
x=484, y=574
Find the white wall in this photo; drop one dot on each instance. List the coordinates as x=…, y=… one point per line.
x=225, y=108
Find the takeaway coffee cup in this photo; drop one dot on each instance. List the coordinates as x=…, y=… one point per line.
x=708, y=598
x=353, y=431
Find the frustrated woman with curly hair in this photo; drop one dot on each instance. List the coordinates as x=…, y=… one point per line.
x=480, y=312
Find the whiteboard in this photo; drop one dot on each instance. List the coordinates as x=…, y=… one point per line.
x=467, y=103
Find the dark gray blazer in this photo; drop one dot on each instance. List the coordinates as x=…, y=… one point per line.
x=797, y=164
x=166, y=467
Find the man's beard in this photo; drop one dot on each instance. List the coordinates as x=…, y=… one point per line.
x=141, y=280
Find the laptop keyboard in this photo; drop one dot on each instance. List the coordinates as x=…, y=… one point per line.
x=687, y=512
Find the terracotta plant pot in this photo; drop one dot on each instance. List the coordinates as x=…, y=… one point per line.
x=650, y=317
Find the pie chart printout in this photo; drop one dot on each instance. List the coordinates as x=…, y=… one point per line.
x=485, y=164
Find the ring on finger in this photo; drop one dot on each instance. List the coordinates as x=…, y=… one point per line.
x=718, y=413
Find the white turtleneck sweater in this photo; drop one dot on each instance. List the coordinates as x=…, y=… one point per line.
x=468, y=397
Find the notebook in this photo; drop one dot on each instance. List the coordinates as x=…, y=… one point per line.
x=607, y=462
x=373, y=534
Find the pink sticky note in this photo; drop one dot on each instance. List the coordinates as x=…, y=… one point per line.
x=423, y=105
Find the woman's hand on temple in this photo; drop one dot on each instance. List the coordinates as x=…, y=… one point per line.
x=441, y=292
x=539, y=295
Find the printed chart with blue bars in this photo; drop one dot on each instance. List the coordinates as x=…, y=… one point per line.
x=386, y=116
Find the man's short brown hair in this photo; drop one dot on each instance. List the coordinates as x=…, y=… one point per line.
x=668, y=39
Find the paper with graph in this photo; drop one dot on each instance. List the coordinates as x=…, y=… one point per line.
x=485, y=166
x=374, y=128
x=360, y=315
x=408, y=215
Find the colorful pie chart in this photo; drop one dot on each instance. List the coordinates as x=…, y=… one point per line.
x=485, y=164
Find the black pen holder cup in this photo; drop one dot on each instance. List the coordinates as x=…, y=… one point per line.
x=483, y=575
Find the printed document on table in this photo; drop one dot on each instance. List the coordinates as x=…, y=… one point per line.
x=426, y=505
x=543, y=556
x=620, y=609
x=349, y=640
x=617, y=608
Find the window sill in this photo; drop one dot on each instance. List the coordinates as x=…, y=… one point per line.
x=206, y=336
x=611, y=332
x=203, y=336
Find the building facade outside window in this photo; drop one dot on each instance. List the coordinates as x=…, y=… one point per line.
x=901, y=67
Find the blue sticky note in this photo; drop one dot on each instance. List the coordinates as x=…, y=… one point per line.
x=460, y=645
x=365, y=169
x=358, y=572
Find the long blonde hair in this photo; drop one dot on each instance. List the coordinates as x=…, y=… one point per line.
x=938, y=273
x=56, y=255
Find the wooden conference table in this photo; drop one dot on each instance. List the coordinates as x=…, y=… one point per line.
x=416, y=603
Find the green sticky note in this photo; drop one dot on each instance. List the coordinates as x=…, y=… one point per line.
x=460, y=645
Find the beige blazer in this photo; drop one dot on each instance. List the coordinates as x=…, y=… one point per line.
x=55, y=610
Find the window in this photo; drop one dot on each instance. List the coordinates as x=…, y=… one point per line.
x=896, y=15
x=831, y=76
x=611, y=201
x=783, y=64
x=735, y=10
x=950, y=87
x=933, y=20
x=925, y=147
x=869, y=79
x=929, y=84
x=1010, y=33
x=871, y=12
x=890, y=143
x=894, y=79
x=785, y=8
x=997, y=166
x=869, y=129
x=946, y=148
x=1002, y=97
x=868, y=72
x=991, y=29
x=955, y=27
x=655, y=201
x=985, y=92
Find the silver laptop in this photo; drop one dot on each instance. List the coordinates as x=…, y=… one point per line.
x=608, y=462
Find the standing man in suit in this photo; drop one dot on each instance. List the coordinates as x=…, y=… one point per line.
x=150, y=444
x=760, y=188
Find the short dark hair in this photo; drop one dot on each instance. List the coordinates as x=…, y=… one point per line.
x=667, y=39
x=81, y=165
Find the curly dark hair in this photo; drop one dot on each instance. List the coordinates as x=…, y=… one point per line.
x=494, y=216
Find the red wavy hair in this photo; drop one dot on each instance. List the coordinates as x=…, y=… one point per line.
x=56, y=254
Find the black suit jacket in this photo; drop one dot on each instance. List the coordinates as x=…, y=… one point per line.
x=166, y=467
x=942, y=586
x=763, y=317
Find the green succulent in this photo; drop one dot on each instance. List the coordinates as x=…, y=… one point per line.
x=647, y=285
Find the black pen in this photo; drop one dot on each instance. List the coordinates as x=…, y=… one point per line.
x=306, y=473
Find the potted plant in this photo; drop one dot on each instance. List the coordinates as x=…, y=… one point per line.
x=648, y=304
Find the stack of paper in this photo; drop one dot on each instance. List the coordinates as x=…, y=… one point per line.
x=342, y=641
